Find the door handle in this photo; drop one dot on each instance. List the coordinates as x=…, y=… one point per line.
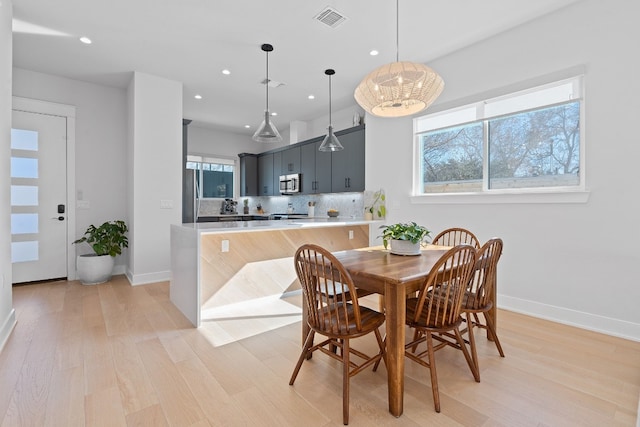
x=59, y=218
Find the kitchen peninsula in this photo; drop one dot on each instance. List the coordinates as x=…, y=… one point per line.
x=215, y=264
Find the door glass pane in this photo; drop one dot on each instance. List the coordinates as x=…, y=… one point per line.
x=23, y=167
x=24, y=251
x=24, y=223
x=24, y=195
x=22, y=139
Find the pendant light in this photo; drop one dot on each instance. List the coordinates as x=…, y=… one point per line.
x=267, y=131
x=330, y=142
x=399, y=88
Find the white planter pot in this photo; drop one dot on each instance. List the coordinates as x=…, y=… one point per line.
x=93, y=269
x=404, y=247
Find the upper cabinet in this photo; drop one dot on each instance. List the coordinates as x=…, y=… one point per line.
x=321, y=172
x=347, y=166
x=290, y=160
x=265, y=175
x=248, y=174
x=315, y=167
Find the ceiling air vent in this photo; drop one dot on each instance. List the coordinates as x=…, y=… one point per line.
x=331, y=17
x=272, y=83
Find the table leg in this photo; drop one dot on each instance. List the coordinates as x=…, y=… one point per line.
x=395, y=312
x=493, y=312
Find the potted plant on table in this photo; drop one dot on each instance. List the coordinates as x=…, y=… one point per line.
x=404, y=238
x=107, y=241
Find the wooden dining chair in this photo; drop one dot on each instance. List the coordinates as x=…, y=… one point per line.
x=480, y=295
x=437, y=309
x=334, y=314
x=456, y=236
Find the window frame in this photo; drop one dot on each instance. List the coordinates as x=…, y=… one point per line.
x=559, y=194
x=208, y=159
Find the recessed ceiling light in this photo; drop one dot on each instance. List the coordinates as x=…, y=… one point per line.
x=198, y=97
x=373, y=52
x=247, y=126
x=226, y=72
x=85, y=40
x=274, y=113
x=312, y=97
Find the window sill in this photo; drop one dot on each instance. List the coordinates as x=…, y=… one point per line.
x=575, y=196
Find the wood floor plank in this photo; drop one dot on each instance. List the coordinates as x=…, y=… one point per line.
x=151, y=416
x=103, y=408
x=65, y=403
x=177, y=400
x=136, y=390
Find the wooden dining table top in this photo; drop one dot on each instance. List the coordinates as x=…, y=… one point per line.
x=371, y=266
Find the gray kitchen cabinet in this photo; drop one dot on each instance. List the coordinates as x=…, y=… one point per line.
x=315, y=167
x=290, y=160
x=347, y=166
x=265, y=175
x=248, y=174
x=277, y=171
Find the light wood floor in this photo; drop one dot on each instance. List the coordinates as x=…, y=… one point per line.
x=117, y=355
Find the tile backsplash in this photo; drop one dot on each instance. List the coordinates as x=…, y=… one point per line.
x=350, y=205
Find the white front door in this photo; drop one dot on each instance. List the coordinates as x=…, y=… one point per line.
x=38, y=196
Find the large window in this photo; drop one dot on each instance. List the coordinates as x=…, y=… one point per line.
x=514, y=143
x=214, y=177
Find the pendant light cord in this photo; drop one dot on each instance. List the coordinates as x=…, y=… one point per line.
x=267, y=82
x=329, y=99
x=397, y=31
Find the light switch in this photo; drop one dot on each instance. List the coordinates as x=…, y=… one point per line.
x=166, y=204
x=225, y=246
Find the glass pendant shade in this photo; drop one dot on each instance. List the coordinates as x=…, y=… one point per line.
x=267, y=131
x=330, y=142
x=399, y=89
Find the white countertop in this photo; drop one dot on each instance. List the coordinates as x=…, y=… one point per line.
x=238, y=226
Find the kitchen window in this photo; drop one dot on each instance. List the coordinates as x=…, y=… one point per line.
x=214, y=177
x=521, y=143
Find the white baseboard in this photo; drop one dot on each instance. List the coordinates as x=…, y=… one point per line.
x=144, y=279
x=7, y=327
x=592, y=322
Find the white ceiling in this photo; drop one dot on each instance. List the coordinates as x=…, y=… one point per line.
x=191, y=41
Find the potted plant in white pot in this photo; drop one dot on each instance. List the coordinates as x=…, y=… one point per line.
x=107, y=241
x=404, y=238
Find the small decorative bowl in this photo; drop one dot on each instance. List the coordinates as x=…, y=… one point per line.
x=333, y=214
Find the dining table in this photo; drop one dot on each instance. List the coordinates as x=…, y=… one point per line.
x=394, y=277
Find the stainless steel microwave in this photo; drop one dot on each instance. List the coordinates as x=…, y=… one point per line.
x=290, y=183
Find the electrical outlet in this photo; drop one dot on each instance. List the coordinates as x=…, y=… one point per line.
x=225, y=246
x=350, y=234
x=166, y=204
x=83, y=204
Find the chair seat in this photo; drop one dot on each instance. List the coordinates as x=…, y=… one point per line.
x=471, y=302
x=422, y=322
x=370, y=320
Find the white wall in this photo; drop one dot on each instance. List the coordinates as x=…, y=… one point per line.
x=574, y=263
x=7, y=314
x=155, y=191
x=101, y=118
x=223, y=144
